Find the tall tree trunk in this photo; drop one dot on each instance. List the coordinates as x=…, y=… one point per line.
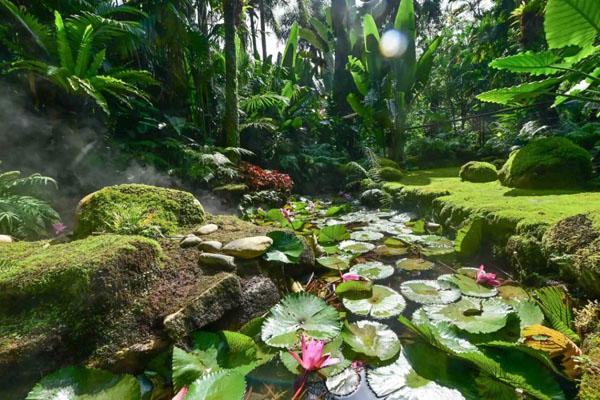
x=202, y=11
x=342, y=80
x=263, y=29
x=253, y=34
x=230, y=118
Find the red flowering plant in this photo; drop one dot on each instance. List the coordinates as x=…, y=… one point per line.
x=261, y=179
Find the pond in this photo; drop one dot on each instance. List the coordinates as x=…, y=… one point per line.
x=417, y=323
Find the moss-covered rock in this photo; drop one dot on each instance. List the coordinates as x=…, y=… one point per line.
x=550, y=163
x=525, y=255
x=389, y=174
x=478, y=171
x=137, y=209
x=368, y=183
x=589, y=387
x=468, y=238
x=376, y=198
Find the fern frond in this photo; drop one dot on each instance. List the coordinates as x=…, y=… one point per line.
x=96, y=63
x=263, y=101
x=265, y=123
x=238, y=151
x=557, y=308
x=64, y=49
x=85, y=48
x=40, y=32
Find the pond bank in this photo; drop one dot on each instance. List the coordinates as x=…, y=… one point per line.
x=516, y=222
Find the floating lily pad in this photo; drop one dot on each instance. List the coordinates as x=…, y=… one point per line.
x=372, y=339
x=399, y=381
x=333, y=234
x=354, y=247
x=300, y=314
x=345, y=383
x=403, y=218
x=472, y=315
x=336, y=262
x=373, y=270
x=367, y=236
x=468, y=286
x=528, y=311
x=414, y=264
x=354, y=290
x=468, y=271
x=383, y=303
x=512, y=292
x=393, y=242
x=430, y=291
x=388, y=251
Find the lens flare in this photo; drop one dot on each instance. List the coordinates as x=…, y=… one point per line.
x=393, y=44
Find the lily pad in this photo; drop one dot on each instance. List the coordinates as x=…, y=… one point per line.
x=393, y=242
x=472, y=315
x=512, y=292
x=399, y=381
x=286, y=248
x=335, y=262
x=333, y=234
x=468, y=286
x=345, y=383
x=430, y=291
x=372, y=339
x=300, y=314
x=373, y=270
x=388, y=251
x=218, y=385
x=383, y=303
x=528, y=311
x=354, y=290
x=367, y=236
x=403, y=218
x=414, y=264
x=354, y=247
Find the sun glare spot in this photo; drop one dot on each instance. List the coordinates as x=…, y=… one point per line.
x=393, y=44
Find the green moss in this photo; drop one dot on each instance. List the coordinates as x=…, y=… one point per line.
x=137, y=209
x=525, y=255
x=589, y=387
x=386, y=162
x=550, y=163
x=389, y=174
x=478, y=171
x=368, y=183
x=468, y=238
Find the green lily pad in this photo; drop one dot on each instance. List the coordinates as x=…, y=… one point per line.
x=300, y=314
x=402, y=218
x=219, y=385
x=430, y=291
x=414, y=264
x=354, y=247
x=286, y=248
x=472, y=315
x=373, y=270
x=383, y=303
x=393, y=242
x=388, y=251
x=75, y=383
x=354, y=290
x=367, y=236
x=333, y=234
x=345, y=383
x=399, y=381
x=528, y=311
x=468, y=286
x=372, y=339
x=512, y=292
x=337, y=262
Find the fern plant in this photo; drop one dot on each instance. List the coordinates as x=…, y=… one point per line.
x=76, y=58
x=23, y=214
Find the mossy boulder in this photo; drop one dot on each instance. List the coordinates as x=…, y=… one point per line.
x=478, y=171
x=386, y=162
x=389, y=174
x=525, y=255
x=376, y=198
x=549, y=163
x=137, y=209
x=59, y=301
x=468, y=238
x=589, y=387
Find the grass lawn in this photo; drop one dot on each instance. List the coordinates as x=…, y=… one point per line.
x=525, y=208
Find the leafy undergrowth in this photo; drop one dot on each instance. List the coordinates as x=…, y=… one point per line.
x=423, y=331
x=517, y=207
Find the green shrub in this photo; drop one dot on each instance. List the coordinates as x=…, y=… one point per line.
x=549, y=163
x=386, y=162
x=389, y=174
x=478, y=171
x=586, y=136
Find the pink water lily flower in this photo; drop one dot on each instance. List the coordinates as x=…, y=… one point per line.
x=486, y=278
x=313, y=358
x=181, y=394
x=287, y=214
x=349, y=276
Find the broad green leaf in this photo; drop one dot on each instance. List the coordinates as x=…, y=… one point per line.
x=78, y=383
x=373, y=270
x=406, y=65
x=414, y=264
x=543, y=63
x=288, y=60
x=399, y=381
x=286, y=248
x=367, y=236
x=425, y=63
x=472, y=315
x=338, y=263
x=430, y=291
x=333, y=234
x=219, y=385
x=335, y=210
x=519, y=93
x=354, y=247
x=64, y=49
x=468, y=286
x=579, y=87
x=354, y=290
x=372, y=39
x=371, y=339
x=345, y=383
x=187, y=367
x=383, y=303
x=298, y=314
x=571, y=22
x=529, y=312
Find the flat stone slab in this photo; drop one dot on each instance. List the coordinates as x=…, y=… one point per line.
x=215, y=295
x=190, y=241
x=249, y=247
x=211, y=246
x=221, y=261
x=5, y=239
x=207, y=229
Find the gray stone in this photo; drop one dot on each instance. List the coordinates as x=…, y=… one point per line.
x=219, y=261
x=211, y=246
x=376, y=198
x=207, y=229
x=5, y=239
x=248, y=248
x=190, y=241
x=214, y=296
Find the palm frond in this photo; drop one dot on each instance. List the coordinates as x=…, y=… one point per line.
x=135, y=76
x=265, y=123
x=40, y=32
x=263, y=101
